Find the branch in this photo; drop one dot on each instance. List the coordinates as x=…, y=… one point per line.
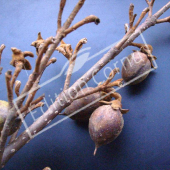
x=73, y=14
x=132, y=29
x=150, y=4
x=1, y=50
x=35, y=106
x=18, y=69
x=167, y=19
x=17, y=87
x=131, y=16
x=102, y=87
x=72, y=62
x=35, y=88
x=47, y=42
x=62, y=5
x=86, y=20
x=8, y=76
x=144, y=12
x=111, y=76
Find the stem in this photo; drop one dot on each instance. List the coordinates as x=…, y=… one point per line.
x=17, y=87
x=62, y=5
x=89, y=19
x=8, y=76
x=131, y=16
x=159, y=21
x=18, y=67
x=72, y=62
x=1, y=50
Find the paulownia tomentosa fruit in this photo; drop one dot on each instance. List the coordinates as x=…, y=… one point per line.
x=3, y=115
x=106, y=122
x=79, y=104
x=137, y=66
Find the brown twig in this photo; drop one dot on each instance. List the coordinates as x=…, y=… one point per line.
x=111, y=76
x=89, y=19
x=131, y=15
x=144, y=12
x=37, y=100
x=62, y=5
x=150, y=4
x=18, y=68
x=167, y=19
x=17, y=87
x=33, y=107
x=1, y=50
x=72, y=62
x=47, y=42
x=131, y=30
x=8, y=76
x=35, y=88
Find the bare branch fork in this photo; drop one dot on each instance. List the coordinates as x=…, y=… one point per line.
x=69, y=93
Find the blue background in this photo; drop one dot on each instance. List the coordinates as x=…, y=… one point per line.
x=145, y=140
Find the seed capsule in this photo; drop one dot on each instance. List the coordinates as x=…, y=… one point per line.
x=136, y=65
x=3, y=115
x=85, y=113
x=105, y=125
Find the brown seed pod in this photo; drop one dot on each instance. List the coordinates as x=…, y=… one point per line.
x=84, y=114
x=136, y=65
x=106, y=122
x=3, y=116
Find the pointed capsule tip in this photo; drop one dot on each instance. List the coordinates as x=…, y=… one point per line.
x=95, y=150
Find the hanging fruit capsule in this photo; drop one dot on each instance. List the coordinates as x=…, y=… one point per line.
x=3, y=115
x=83, y=107
x=137, y=66
x=106, y=122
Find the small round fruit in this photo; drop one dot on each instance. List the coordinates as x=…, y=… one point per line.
x=105, y=125
x=3, y=112
x=3, y=115
x=84, y=115
x=135, y=65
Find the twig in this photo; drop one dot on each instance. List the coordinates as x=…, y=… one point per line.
x=62, y=5
x=144, y=12
x=72, y=62
x=150, y=4
x=131, y=15
x=8, y=76
x=89, y=19
x=14, y=135
x=17, y=87
x=100, y=88
x=131, y=30
x=167, y=19
x=18, y=68
x=47, y=42
x=1, y=50
x=35, y=88
x=37, y=100
x=111, y=76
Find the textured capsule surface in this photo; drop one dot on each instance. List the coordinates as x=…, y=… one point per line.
x=105, y=124
x=3, y=112
x=3, y=116
x=134, y=66
x=85, y=113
